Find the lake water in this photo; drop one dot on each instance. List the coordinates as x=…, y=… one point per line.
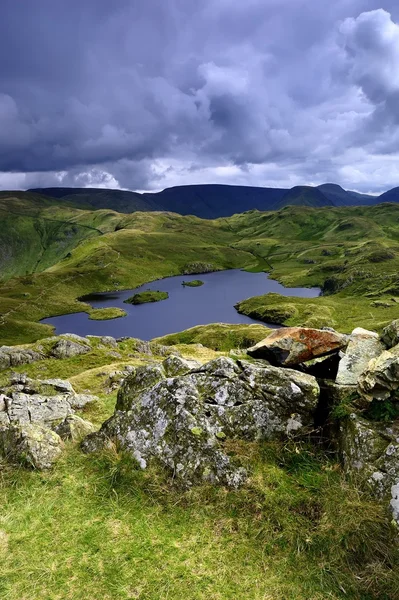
x=186, y=307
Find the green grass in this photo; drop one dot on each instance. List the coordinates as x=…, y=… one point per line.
x=218, y=336
x=147, y=296
x=96, y=527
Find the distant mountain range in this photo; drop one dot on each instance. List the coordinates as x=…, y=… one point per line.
x=211, y=201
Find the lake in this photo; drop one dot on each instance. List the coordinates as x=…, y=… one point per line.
x=186, y=307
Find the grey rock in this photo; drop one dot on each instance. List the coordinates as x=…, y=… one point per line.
x=175, y=365
x=30, y=445
x=59, y=385
x=390, y=335
x=182, y=421
x=81, y=400
x=380, y=380
x=66, y=348
x=363, y=346
x=74, y=428
x=371, y=450
x=106, y=340
x=76, y=338
x=33, y=408
x=14, y=356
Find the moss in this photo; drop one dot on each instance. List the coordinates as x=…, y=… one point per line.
x=102, y=314
x=147, y=296
x=218, y=336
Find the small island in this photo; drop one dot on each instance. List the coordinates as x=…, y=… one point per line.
x=193, y=283
x=104, y=314
x=147, y=296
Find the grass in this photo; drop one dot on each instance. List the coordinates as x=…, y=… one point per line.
x=298, y=531
x=103, y=314
x=147, y=296
x=218, y=336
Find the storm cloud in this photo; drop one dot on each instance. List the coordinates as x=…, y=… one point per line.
x=145, y=94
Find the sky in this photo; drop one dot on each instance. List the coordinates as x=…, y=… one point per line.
x=148, y=94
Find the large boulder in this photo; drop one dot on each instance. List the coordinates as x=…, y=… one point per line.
x=183, y=421
x=380, y=380
x=292, y=346
x=390, y=335
x=362, y=347
x=30, y=444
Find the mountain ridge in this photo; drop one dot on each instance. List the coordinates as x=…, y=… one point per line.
x=212, y=201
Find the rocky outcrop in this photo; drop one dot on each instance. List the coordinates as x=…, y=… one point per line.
x=362, y=347
x=380, y=380
x=30, y=410
x=292, y=346
x=66, y=348
x=30, y=445
x=183, y=421
x=390, y=335
x=14, y=356
x=74, y=428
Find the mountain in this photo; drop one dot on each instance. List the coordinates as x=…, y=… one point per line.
x=211, y=201
x=303, y=195
x=390, y=196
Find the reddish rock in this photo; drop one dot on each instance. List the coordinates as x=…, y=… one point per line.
x=291, y=346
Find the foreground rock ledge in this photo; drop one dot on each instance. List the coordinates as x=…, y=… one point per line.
x=183, y=421
x=292, y=346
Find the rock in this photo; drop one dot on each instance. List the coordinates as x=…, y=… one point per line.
x=380, y=380
x=30, y=445
x=33, y=408
x=59, y=385
x=175, y=365
x=65, y=348
x=390, y=335
x=181, y=421
x=371, y=450
x=80, y=400
x=105, y=340
x=76, y=338
x=292, y=346
x=74, y=428
x=13, y=356
x=362, y=347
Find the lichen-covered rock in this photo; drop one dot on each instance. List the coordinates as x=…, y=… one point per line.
x=30, y=445
x=13, y=356
x=362, y=347
x=74, y=428
x=141, y=379
x=390, y=335
x=46, y=402
x=380, y=380
x=371, y=450
x=175, y=365
x=292, y=346
x=182, y=421
x=66, y=348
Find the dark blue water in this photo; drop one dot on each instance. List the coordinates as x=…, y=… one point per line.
x=186, y=307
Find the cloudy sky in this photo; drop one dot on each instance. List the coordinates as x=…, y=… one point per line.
x=146, y=94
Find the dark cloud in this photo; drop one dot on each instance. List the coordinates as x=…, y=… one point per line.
x=143, y=94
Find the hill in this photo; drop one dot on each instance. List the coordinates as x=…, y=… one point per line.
x=303, y=195
x=390, y=195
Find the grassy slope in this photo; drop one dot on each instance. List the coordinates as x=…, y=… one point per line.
x=356, y=249
x=94, y=527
